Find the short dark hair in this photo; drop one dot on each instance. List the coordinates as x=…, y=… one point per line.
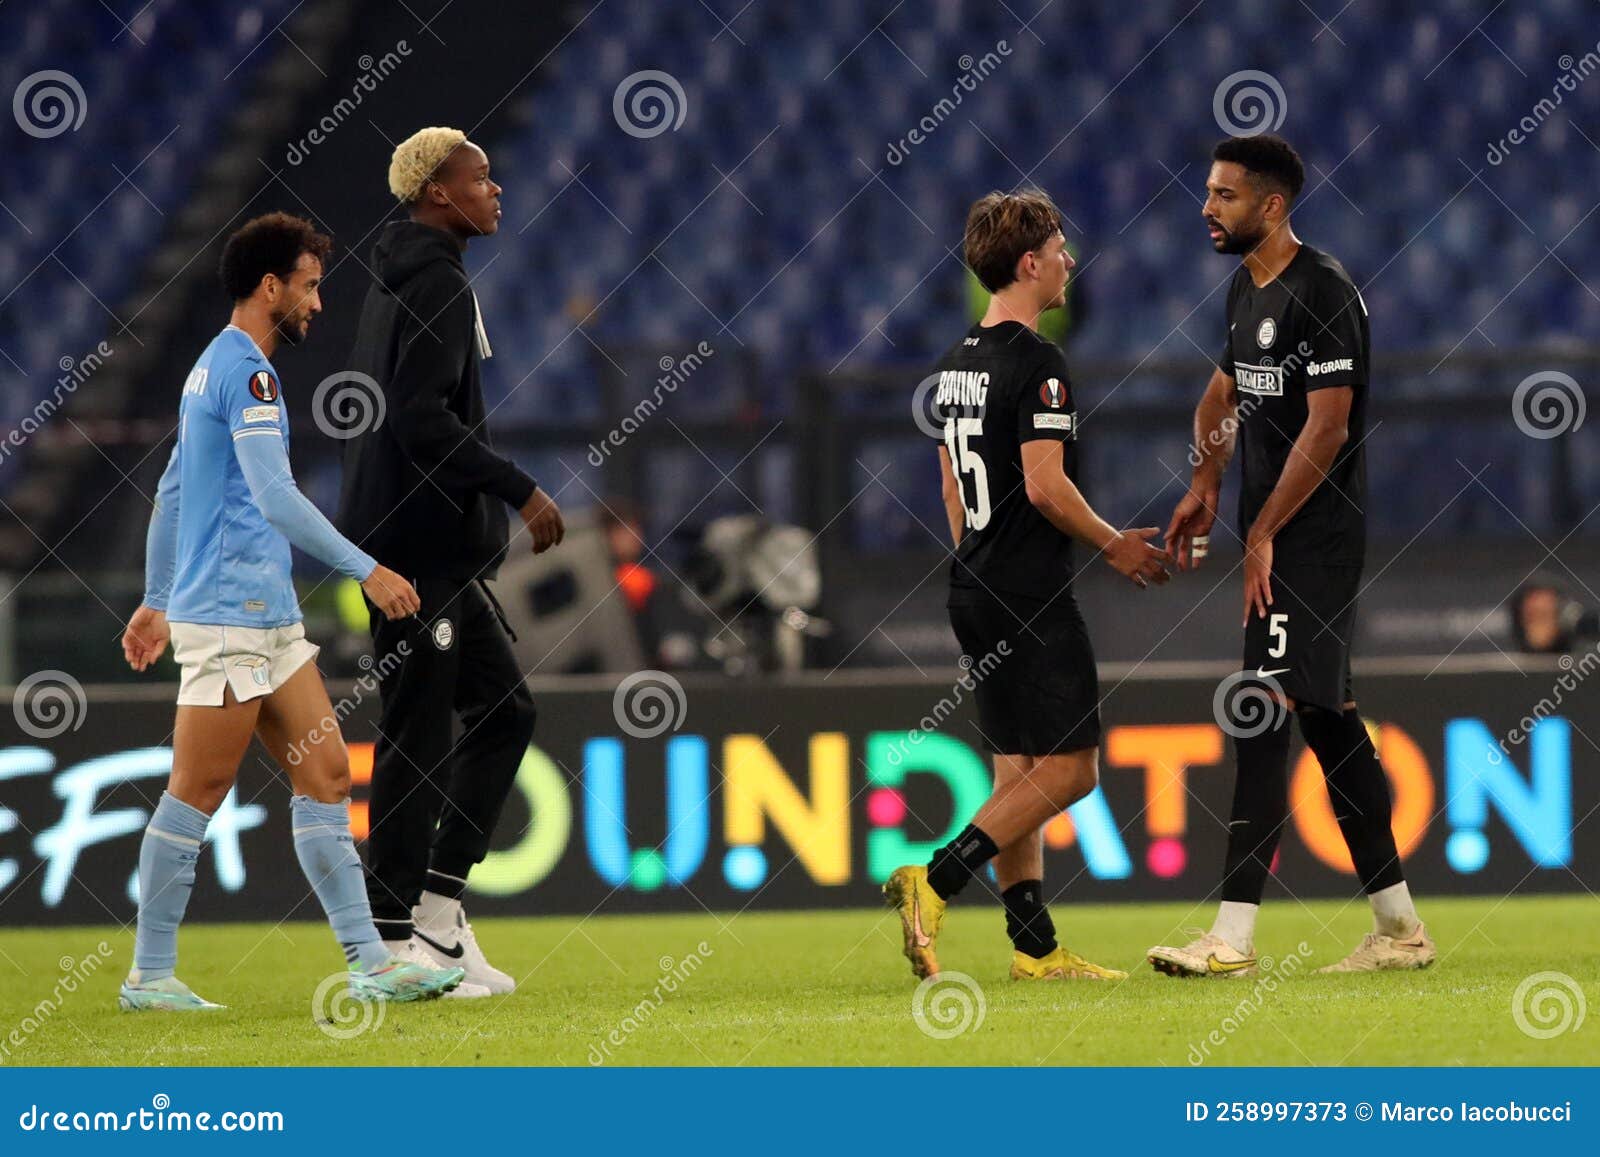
x=1269, y=159
x=1001, y=227
x=269, y=244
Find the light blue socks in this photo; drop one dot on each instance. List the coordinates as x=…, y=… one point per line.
x=172, y=842
x=327, y=854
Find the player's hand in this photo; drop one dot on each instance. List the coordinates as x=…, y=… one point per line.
x=1257, y=577
x=1189, y=532
x=543, y=519
x=146, y=637
x=1131, y=555
x=391, y=594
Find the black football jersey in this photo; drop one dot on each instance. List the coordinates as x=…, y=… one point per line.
x=1305, y=330
x=999, y=387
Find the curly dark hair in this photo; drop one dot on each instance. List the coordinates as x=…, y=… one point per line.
x=271, y=244
x=1269, y=159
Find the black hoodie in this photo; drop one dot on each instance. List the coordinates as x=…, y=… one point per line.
x=424, y=492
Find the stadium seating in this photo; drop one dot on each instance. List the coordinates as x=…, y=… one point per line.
x=815, y=252
x=154, y=94
x=852, y=252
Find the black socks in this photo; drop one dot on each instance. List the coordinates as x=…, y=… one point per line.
x=954, y=865
x=1359, y=791
x=1260, y=806
x=1028, y=921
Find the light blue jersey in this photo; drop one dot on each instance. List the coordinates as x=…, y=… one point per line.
x=227, y=508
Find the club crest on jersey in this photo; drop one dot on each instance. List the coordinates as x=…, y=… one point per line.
x=1266, y=333
x=1053, y=394
x=444, y=634
x=263, y=386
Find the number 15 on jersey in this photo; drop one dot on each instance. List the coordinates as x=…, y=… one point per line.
x=966, y=460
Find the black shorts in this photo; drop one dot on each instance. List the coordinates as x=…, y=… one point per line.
x=1029, y=665
x=1303, y=643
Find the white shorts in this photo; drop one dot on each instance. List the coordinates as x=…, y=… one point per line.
x=251, y=660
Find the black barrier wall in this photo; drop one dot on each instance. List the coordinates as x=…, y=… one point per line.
x=660, y=796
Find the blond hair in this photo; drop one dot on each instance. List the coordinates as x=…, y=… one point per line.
x=417, y=157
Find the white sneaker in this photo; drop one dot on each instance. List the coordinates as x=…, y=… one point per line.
x=1380, y=953
x=1210, y=955
x=443, y=933
x=415, y=952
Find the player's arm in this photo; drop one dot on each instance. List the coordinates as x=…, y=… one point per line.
x=955, y=510
x=147, y=633
x=438, y=324
x=1339, y=344
x=1216, y=425
x=1326, y=429
x=265, y=464
x=1054, y=496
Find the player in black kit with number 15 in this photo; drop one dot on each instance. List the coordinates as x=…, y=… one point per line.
x=1004, y=414
x=1292, y=381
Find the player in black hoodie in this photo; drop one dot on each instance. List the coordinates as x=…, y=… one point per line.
x=425, y=493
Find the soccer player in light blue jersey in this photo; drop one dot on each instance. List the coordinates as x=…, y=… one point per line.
x=218, y=586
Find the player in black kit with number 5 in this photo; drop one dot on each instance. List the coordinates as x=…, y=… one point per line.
x=1004, y=412
x=1292, y=381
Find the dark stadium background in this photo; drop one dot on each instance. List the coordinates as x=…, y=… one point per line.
x=784, y=218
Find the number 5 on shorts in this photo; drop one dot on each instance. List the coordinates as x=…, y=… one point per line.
x=1278, y=631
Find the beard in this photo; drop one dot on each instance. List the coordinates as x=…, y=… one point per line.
x=1242, y=241
x=290, y=328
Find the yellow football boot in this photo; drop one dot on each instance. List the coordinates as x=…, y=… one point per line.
x=921, y=913
x=1062, y=964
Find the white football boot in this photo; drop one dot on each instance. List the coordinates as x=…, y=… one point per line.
x=443, y=933
x=415, y=952
x=1210, y=955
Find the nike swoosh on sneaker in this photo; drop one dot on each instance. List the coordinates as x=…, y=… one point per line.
x=918, y=936
x=1215, y=965
x=455, y=953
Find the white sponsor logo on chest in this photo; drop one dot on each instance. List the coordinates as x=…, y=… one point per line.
x=1263, y=381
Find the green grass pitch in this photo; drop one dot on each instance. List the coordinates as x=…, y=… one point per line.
x=830, y=988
